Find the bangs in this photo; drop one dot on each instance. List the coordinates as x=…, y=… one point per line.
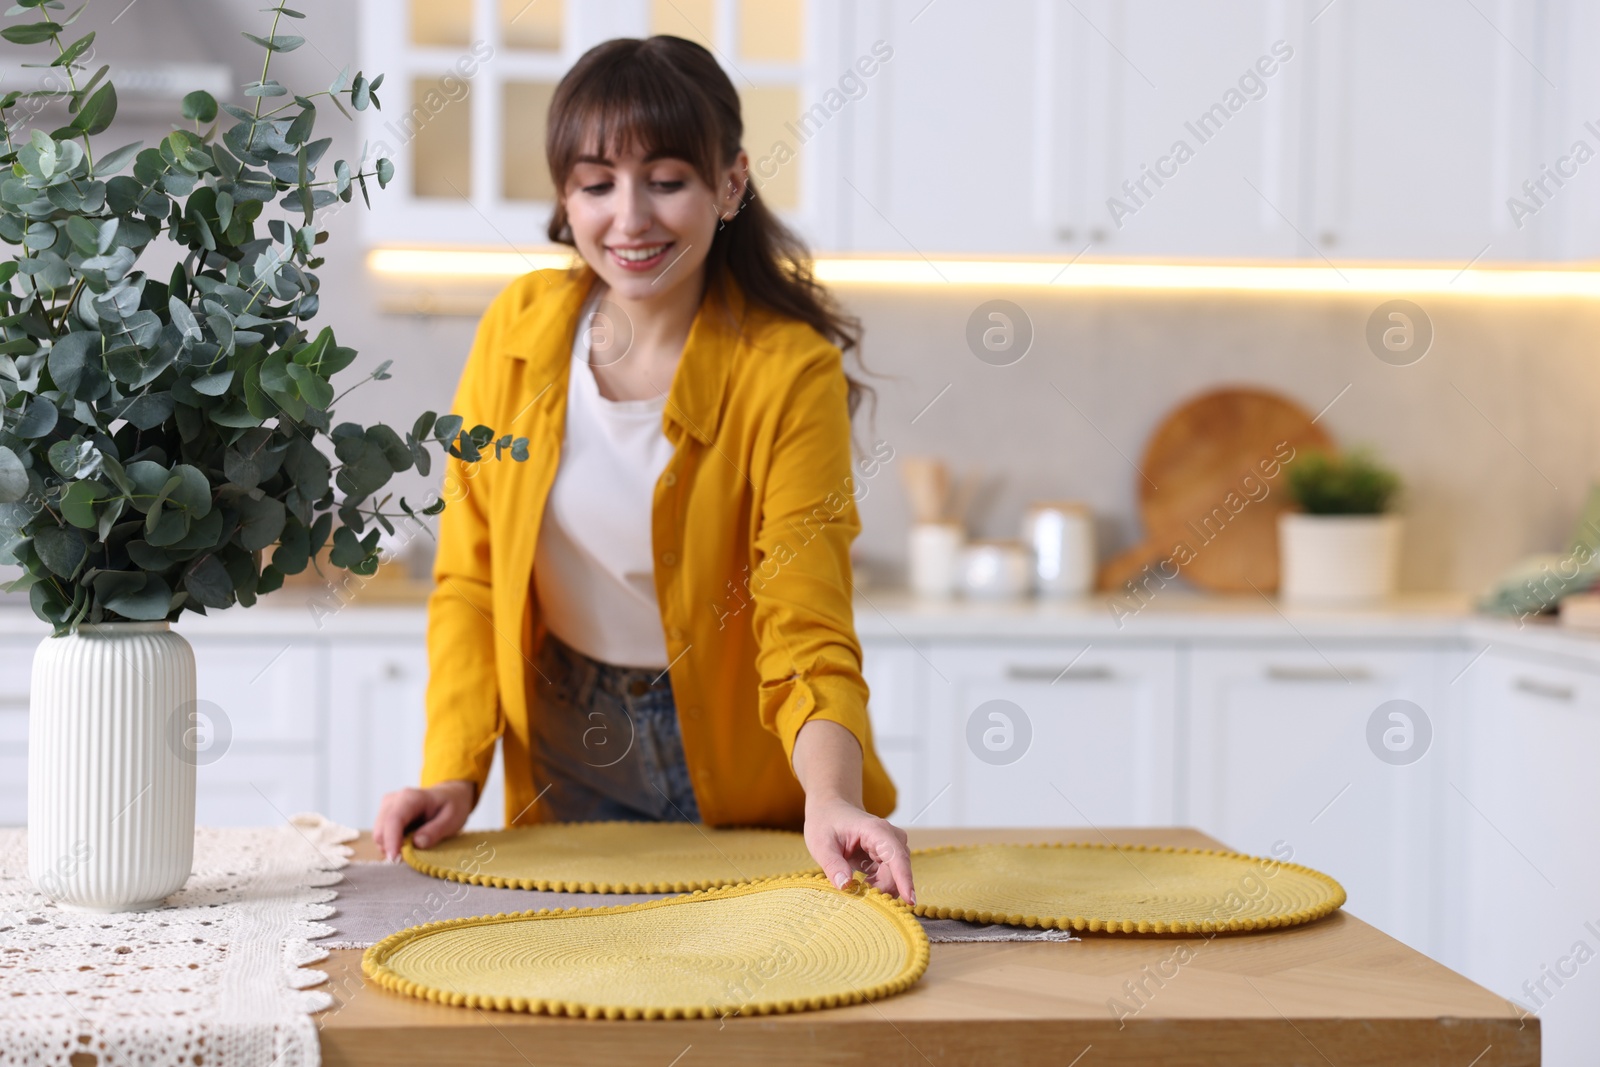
x=637, y=102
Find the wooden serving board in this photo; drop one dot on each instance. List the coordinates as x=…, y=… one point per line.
x=1212, y=483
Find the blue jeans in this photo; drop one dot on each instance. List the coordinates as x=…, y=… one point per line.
x=605, y=741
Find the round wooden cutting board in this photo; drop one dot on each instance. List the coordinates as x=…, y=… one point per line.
x=1214, y=481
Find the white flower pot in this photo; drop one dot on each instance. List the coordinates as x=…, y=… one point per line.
x=111, y=766
x=1337, y=560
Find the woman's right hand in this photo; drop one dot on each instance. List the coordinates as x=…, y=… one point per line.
x=443, y=809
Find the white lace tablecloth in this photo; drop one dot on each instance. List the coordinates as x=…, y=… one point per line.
x=216, y=977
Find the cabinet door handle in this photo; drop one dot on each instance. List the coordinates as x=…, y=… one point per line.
x=1544, y=689
x=1280, y=673
x=1018, y=672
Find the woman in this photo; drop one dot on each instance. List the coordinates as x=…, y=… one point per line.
x=653, y=614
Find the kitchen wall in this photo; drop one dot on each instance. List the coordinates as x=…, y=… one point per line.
x=1492, y=430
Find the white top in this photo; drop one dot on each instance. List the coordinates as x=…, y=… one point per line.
x=593, y=565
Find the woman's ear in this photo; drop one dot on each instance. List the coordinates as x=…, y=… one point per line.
x=735, y=180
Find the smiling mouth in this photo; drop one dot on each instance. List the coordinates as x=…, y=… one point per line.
x=636, y=258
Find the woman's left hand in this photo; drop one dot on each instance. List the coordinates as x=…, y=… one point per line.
x=843, y=839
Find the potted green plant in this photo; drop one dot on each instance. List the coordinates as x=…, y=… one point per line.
x=1341, y=546
x=159, y=438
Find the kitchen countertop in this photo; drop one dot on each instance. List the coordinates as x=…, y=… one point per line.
x=895, y=613
x=1334, y=991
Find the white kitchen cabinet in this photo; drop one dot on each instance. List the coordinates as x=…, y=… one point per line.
x=260, y=784
x=1425, y=117
x=1371, y=129
x=1176, y=129
x=1049, y=734
x=16, y=667
x=1523, y=826
x=377, y=725
x=1279, y=757
x=899, y=728
x=942, y=163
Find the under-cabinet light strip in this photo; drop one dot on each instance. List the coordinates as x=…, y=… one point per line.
x=418, y=264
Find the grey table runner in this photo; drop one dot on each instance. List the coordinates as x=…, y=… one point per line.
x=378, y=898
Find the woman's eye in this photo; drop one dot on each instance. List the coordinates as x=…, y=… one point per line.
x=597, y=188
x=670, y=186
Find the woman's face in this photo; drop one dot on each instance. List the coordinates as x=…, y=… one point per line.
x=646, y=226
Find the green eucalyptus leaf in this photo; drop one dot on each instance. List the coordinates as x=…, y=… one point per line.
x=307, y=467
x=168, y=528
x=31, y=33
x=60, y=548
x=447, y=428
x=13, y=477
x=84, y=235
x=115, y=160
x=147, y=478
x=193, y=492
x=199, y=106
x=205, y=532
x=111, y=584
x=38, y=418
x=260, y=521
x=313, y=389
x=293, y=553
x=212, y=384
x=347, y=551
x=146, y=556
x=77, y=503
x=109, y=516
x=280, y=42
x=183, y=318
x=96, y=114
x=151, y=602
x=70, y=54
x=67, y=357
x=208, y=581
x=148, y=410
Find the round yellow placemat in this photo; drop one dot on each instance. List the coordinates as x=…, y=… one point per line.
x=778, y=945
x=1130, y=889
x=613, y=857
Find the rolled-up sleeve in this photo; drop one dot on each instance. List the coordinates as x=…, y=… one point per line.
x=808, y=657
x=465, y=717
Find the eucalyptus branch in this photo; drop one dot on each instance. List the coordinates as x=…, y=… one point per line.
x=61, y=50
x=266, y=62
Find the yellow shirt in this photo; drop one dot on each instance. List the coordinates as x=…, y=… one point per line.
x=751, y=524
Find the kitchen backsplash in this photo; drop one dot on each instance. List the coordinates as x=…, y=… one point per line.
x=1493, y=429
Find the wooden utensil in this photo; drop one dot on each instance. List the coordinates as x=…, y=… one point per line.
x=927, y=483
x=1212, y=485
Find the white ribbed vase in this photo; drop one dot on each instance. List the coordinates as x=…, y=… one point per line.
x=110, y=768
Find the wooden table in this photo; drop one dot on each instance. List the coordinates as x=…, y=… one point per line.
x=1334, y=992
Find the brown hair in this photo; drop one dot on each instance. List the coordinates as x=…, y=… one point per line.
x=666, y=94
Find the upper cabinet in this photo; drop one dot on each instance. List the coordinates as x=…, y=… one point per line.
x=1267, y=129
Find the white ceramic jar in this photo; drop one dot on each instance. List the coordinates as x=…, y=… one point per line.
x=993, y=570
x=1061, y=535
x=935, y=552
x=111, y=767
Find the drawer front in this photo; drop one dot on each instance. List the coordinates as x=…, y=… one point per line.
x=13, y=785
x=16, y=671
x=259, y=785
x=890, y=668
x=263, y=690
